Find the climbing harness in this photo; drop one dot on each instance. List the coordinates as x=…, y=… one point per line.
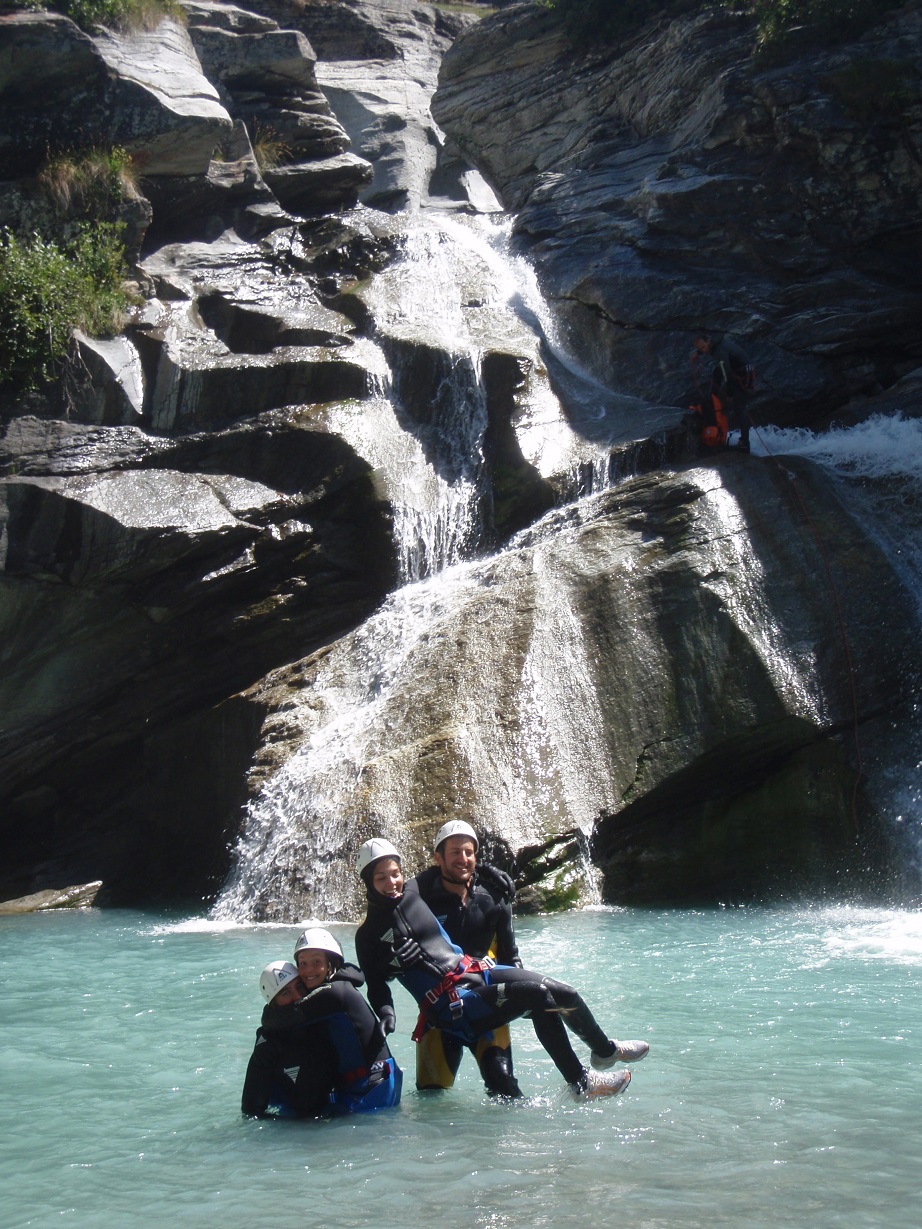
x=448, y=987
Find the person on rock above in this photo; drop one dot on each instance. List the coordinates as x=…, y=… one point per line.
x=474, y=905
x=732, y=379
x=401, y=938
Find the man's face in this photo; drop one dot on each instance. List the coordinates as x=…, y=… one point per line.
x=456, y=858
x=289, y=993
x=703, y=345
x=314, y=967
x=387, y=877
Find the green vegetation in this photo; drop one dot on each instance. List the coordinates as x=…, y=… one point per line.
x=871, y=88
x=48, y=289
x=91, y=184
x=816, y=21
x=116, y=14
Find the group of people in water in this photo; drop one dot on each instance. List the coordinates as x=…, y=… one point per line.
x=447, y=937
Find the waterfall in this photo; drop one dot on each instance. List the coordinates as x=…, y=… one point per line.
x=517, y=760
x=414, y=685
x=878, y=468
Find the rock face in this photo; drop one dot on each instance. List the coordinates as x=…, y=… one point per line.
x=145, y=91
x=657, y=653
x=202, y=527
x=673, y=183
x=379, y=60
x=165, y=575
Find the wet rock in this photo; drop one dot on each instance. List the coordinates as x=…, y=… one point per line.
x=110, y=385
x=81, y=896
x=672, y=183
x=663, y=660
x=232, y=333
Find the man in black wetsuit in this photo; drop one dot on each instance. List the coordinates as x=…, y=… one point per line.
x=732, y=378
x=474, y=904
x=401, y=938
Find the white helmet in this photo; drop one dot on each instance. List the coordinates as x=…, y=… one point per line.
x=454, y=827
x=275, y=977
x=372, y=850
x=318, y=939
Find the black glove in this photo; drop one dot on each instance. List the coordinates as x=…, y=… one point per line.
x=388, y=1018
x=409, y=953
x=494, y=877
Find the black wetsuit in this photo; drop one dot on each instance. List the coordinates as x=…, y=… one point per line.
x=480, y=925
x=730, y=381
x=327, y=1045
x=292, y=1069
x=482, y=922
x=484, y=1000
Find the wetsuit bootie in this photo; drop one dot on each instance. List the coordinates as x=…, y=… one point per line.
x=602, y=1084
x=623, y=1052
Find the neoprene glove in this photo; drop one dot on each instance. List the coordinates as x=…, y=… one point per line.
x=503, y=883
x=409, y=953
x=388, y=1018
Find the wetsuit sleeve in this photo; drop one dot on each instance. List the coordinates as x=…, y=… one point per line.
x=507, y=951
x=376, y=987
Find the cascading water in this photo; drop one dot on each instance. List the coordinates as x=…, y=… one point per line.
x=519, y=748
x=455, y=293
x=878, y=464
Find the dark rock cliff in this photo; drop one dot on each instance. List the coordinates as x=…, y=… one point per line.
x=676, y=182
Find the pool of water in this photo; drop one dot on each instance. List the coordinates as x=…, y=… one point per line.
x=783, y=1087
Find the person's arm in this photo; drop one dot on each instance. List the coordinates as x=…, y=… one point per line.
x=376, y=987
x=257, y=1085
x=507, y=951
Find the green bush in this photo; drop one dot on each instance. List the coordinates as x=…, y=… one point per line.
x=116, y=14
x=49, y=289
x=816, y=21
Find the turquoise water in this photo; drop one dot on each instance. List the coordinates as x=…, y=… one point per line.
x=783, y=1088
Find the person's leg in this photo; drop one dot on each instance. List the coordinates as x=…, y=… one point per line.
x=512, y=993
x=438, y=1057
x=741, y=412
x=494, y=1057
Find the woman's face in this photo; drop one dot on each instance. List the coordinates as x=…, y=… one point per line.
x=387, y=878
x=314, y=967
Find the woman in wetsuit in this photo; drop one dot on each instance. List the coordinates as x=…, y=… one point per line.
x=367, y=1077
x=319, y=1048
x=401, y=938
